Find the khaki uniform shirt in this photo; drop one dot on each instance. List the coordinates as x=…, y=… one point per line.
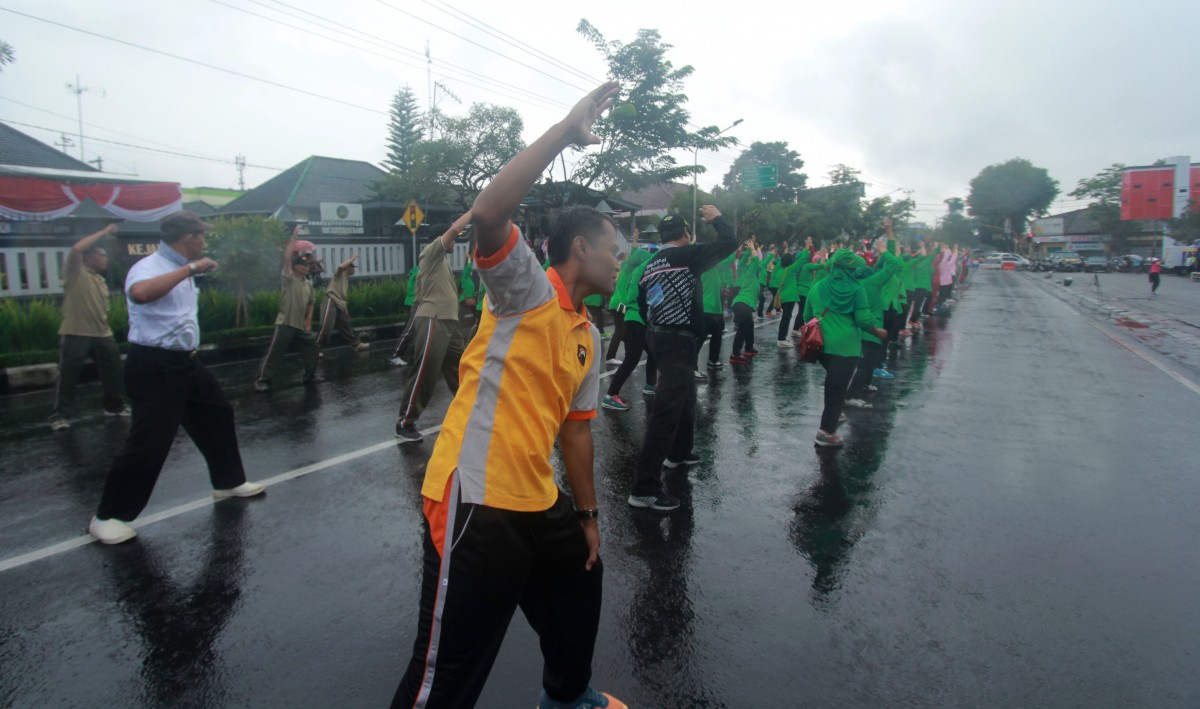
x=436, y=295
x=85, y=304
x=294, y=300
x=336, y=290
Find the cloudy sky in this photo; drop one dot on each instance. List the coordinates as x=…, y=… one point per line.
x=918, y=94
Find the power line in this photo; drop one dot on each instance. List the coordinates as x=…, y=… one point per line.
x=477, y=44
x=508, y=39
x=198, y=62
x=324, y=23
x=192, y=156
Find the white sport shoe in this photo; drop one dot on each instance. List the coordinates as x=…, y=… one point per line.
x=859, y=404
x=59, y=424
x=783, y=344
x=396, y=362
x=124, y=412
x=243, y=490
x=111, y=531
x=615, y=361
x=361, y=346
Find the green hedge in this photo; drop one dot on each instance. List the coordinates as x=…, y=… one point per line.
x=29, y=330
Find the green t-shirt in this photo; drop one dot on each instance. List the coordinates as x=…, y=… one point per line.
x=712, y=281
x=924, y=273
x=411, y=293
x=893, y=288
x=622, y=282
x=747, y=280
x=789, y=281
x=766, y=271
x=875, y=286
x=466, y=284
x=841, y=332
x=629, y=296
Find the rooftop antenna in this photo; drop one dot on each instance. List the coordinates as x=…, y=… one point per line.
x=64, y=142
x=240, y=161
x=79, y=90
x=98, y=162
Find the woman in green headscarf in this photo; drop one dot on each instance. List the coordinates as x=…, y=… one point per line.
x=841, y=306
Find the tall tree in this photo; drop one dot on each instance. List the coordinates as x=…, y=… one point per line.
x=404, y=132
x=844, y=175
x=788, y=163
x=1104, y=191
x=1012, y=191
x=956, y=227
x=472, y=149
x=648, y=123
x=248, y=250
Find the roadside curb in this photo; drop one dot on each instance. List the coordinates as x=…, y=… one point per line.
x=35, y=377
x=1115, y=314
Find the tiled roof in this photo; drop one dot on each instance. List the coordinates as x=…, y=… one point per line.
x=16, y=148
x=655, y=197
x=307, y=184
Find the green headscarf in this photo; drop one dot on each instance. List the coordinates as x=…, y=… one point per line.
x=838, y=290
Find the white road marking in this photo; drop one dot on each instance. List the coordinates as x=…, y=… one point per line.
x=82, y=541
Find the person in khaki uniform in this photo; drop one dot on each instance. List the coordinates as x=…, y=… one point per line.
x=294, y=322
x=437, y=340
x=85, y=332
x=336, y=313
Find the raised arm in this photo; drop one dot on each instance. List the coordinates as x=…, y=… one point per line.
x=347, y=263
x=496, y=203
x=455, y=229
x=75, y=257
x=289, y=249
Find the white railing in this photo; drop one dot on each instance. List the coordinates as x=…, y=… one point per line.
x=32, y=270
x=38, y=270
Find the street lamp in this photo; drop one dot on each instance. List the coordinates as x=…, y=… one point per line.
x=695, y=169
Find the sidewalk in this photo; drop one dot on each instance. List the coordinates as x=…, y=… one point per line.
x=1169, y=323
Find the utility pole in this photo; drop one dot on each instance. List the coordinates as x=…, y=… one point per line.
x=79, y=90
x=240, y=161
x=98, y=162
x=64, y=142
x=429, y=87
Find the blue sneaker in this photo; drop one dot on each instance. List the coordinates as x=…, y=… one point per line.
x=883, y=374
x=590, y=699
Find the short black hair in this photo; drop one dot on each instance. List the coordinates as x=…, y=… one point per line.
x=788, y=260
x=572, y=222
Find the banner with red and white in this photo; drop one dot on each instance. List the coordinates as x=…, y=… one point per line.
x=37, y=199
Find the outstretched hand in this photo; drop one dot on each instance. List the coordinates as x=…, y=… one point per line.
x=709, y=212
x=585, y=113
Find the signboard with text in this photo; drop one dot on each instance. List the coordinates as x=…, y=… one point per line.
x=340, y=218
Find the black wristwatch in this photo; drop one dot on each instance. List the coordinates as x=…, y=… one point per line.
x=593, y=513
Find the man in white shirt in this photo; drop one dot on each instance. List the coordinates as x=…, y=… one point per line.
x=167, y=384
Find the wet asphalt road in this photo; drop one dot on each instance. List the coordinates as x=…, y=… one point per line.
x=1015, y=525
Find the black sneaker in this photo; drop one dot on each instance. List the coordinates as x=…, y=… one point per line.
x=715, y=365
x=407, y=433
x=662, y=502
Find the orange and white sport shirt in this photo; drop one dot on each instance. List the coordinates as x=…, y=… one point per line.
x=533, y=364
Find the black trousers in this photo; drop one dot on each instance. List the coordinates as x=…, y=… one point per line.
x=618, y=317
x=714, y=332
x=919, y=296
x=1154, y=280
x=635, y=344
x=499, y=560
x=671, y=425
x=743, y=328
x=597, y=313
x=893, y=322
x=766, y=296
x=838, y=372
x=872, y=359
x=785, y=322
x=169, y=389
x=73, y=351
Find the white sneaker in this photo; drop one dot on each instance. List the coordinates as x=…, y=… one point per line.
x=59, y=424
x=361, y=346
x=396, y=362
x=243, y=490
x=795, y=333
x=111, y=531
x=699, y=376
x=784, y=344
x=859, y=404
x=615, y=361
x=125, y=411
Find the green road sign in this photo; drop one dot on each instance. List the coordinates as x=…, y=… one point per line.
x=760, y=177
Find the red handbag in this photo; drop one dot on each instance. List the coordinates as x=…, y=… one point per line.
x=812, y=343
